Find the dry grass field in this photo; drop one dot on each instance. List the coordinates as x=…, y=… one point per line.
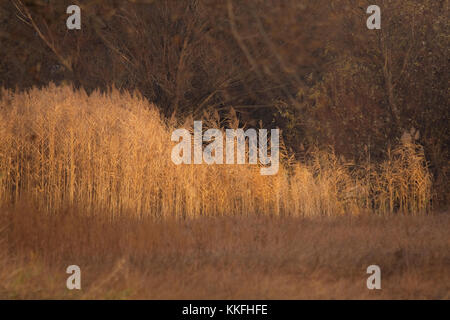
x=112, y=153
x=86, y=171
x=88, y=180
x=240, y=257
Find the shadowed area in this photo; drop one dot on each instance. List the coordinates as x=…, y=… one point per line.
x=246, y=257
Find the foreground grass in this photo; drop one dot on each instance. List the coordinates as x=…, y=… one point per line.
x=244, y=257
x=141, y=227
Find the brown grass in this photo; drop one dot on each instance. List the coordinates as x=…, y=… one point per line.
x=252, y=257
x=88, y=180
x=111, y=153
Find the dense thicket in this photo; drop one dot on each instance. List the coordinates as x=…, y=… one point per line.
x=310, y=67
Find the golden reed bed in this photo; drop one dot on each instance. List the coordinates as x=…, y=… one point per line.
x=112, y=153
x=84, y=176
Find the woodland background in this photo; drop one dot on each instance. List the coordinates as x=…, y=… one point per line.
x=311, y=68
